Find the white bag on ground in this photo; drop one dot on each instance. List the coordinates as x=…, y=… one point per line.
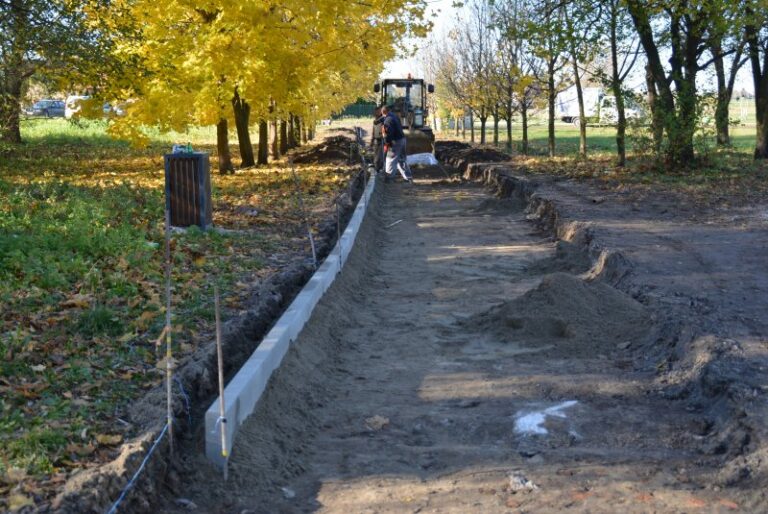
x=421, y=159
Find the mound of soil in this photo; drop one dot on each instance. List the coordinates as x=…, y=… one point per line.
x=569, y=315
x=444, y=147
x=332, y=148
x=460, y=155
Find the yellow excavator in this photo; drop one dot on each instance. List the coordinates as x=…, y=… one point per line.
x=408, y=99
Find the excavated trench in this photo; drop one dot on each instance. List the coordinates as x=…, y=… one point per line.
x=468, y=360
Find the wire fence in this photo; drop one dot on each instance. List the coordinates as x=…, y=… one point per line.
x=356, y=147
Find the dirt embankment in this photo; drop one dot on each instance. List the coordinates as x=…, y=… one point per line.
x=703, y=289
x=459, y=155
x=94, y=490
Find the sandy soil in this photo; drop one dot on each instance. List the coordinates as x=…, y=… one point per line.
x=468, y=361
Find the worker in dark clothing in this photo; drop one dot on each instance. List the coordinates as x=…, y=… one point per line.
x=377, y=140
x=394, y=146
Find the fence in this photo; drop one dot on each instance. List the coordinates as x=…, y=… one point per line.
x=221, y=428
x=356, y=110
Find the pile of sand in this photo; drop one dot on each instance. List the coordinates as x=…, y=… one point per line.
x=568, y=315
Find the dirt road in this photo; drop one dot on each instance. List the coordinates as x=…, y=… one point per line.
x=464, y=363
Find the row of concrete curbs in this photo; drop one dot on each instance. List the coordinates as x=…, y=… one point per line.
x=243, y=392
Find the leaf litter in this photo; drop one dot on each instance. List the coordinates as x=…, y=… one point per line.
x=81, y=289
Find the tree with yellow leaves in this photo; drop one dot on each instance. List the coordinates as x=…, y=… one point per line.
x=290, y=59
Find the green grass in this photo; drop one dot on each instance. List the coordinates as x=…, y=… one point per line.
x=717, y=173
x=601, y=141
x=36, y=131
x=81, y=277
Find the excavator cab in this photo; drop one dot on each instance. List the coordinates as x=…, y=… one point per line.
x=408, y=99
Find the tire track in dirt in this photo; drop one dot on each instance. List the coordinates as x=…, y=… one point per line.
x=444, y=372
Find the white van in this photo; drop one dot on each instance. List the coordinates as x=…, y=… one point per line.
x=599, y=107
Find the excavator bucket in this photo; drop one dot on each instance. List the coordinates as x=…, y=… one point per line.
x=418, y=141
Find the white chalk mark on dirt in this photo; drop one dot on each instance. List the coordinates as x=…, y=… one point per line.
x=533, y=422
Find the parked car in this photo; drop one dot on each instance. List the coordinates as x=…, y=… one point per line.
x=47, y=108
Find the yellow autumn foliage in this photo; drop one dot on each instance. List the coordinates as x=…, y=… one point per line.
x=186, y=58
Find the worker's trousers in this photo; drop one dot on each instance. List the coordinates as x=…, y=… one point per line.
x=396, y=160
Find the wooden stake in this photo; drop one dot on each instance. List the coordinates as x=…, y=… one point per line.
x=304, y=213
x=168, y=364
x=220, y=353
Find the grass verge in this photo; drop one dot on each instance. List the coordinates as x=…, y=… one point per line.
x=81, y=283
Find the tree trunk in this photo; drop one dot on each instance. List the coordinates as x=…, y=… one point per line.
x=291, y=131
x=304, y=133
x=579, y=89
x=760, y=82
x=761, y=130
x=551, y=94
x=680, y=151
x=283, y=137
x=274, y=140
x=10, y=88
x=483, y=121
x=723, y=98
x=222, y=147
x=582, y=114
x=761, y=115
x=10, y=123
x=274, y=136
x=471, y=127
x=263, y=157
x=496, y=127
x=524, y=121
x=725, y=84
x=657, y=117
x=509, y=132
x=242, y=121
x=297, y=130
x=456, y=119
x=677, y=108
x=621, y=122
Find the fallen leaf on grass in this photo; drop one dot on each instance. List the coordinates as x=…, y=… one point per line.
x=163, y=363
x=32, y=391
x=18, y=501
x=15, y=475
x=38, y=367
x=145, y=319
x=78, y=301
x=81, y=450
x=109, y=439
x=376, y=422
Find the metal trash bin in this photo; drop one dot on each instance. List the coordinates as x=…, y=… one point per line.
x=188, y=189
